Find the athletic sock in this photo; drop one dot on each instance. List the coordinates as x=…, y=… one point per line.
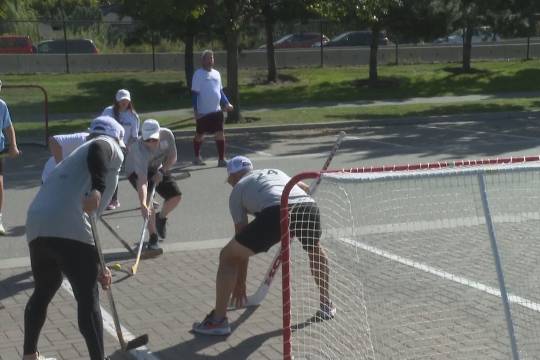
x=197, y=148
x=220, y=144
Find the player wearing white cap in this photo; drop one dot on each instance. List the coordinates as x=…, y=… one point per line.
x=13, y=151
x=148, y=162
x=61, y=146
x=124, y=112
x=258, y=193
x=60, y=238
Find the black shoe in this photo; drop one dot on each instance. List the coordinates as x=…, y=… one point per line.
x=152, y=242
x=161, y=225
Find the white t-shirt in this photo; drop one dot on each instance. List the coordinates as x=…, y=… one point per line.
x=129, y=121
x=208, y=85
x=261, y=189
x=68, y=143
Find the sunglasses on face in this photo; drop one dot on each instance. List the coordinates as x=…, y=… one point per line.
x=151, y=140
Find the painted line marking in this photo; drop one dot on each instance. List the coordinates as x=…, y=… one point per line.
x=518, y=300
x=142, y=353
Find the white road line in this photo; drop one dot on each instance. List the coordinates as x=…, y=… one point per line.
x=518, y=300
x=142, y=353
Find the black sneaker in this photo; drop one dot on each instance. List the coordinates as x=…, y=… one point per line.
x=153, y=242
x=161, y=225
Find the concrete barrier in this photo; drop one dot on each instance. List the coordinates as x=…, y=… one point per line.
x=42, y=63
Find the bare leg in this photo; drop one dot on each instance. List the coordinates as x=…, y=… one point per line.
x=318, y=263
x=231, y=255
x=170, y=205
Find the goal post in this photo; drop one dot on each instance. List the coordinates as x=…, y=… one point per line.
x=28, y=105
x=437, y=260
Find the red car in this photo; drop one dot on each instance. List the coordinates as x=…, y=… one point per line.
x=16, y=44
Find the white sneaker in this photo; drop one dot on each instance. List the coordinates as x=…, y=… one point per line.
x=39, y=357
x=2, y=229
x=326, y=312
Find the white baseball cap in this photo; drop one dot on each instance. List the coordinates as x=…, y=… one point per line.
x=123, y=94
x=150, y=129
x=107, y=125
x=237, y=164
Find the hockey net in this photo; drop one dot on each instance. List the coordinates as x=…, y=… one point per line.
x=435, y=261
x=28, y=107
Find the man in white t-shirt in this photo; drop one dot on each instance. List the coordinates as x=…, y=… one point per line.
x=258, y=193
x=148, y=164
x=60, y=147
x=209, y=102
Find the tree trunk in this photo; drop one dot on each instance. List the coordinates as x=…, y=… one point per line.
x=270, y=53
x=188, y=59
x=232, y=74
x=467, y=48
x=373, y=77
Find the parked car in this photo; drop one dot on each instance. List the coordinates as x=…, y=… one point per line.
x=355, y=38
x=74, y=46
x=298, y=40
x=16, y=44
x=480, y=34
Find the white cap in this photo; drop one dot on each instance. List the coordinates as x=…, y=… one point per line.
x=107, y=125
x=150, y=129
x=123, y=94
x=237, y=164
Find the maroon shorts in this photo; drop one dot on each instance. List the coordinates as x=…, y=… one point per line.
x=210, y=123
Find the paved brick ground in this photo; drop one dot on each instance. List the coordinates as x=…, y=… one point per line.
x=166, y=296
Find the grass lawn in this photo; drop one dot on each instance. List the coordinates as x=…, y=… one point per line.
x=78, y=97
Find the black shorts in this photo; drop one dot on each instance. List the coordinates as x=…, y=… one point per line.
x=1, y=166
x=210, y=123
x=265, y=230
x=167, y=188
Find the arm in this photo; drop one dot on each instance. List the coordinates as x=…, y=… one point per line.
x=56, y=149
x=13, y=149
x=302, y=185
x=224, y=102
x=142, y=191
x=99, y=154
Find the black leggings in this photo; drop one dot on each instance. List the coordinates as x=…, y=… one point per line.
x=50, y=258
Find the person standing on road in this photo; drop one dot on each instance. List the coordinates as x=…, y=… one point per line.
x=60, y=147
x=258, y=192
x=148, y=164
x=209, y=102
x=60, y=237
x=13, y=151
x=124, y=112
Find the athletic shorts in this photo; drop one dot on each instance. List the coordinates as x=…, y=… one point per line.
x=265, y=230
x=210, y=123
x=167, y=188
x=1, y=166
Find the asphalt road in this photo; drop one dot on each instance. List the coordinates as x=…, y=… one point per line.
x=203, y=216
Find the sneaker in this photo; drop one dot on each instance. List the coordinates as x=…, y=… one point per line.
x=326, y=312
x=222, y=163
x=2, y=229
x=161, y=225
x=153, y=243
x=209, y=326
x=114, y=204
x=155, y=204
x=39, y=357
x=198, y=161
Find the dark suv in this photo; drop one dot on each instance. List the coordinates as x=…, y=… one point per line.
x=74, y=46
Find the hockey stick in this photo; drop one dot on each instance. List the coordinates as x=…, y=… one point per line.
x=259, y=295
x=131, y=344
x=143, y=232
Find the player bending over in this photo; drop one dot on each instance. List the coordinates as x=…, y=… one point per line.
x=148, y=162
x=258, y=192
x=60, y=239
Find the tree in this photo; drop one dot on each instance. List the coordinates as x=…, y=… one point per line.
x=371, y=13
x=172, y=19
x=228, y=17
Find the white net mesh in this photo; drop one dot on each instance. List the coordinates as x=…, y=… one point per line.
x=412, y=266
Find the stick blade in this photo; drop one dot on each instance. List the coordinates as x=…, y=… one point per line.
x=137, y=342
